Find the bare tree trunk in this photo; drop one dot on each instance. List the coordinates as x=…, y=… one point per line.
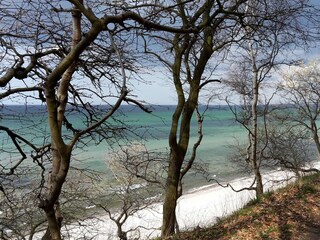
x=184, y=110
x=255, y=161
x=171, y=197
x=61, y=153
x=121, y=234
x=179, y=142
x=317, y=142
x=49, y=204
x=315, y=135
x=53, y=230
x=177, y=156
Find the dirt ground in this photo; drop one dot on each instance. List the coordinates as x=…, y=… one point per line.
x=292, y=213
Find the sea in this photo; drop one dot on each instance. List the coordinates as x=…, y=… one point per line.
x=220, y=133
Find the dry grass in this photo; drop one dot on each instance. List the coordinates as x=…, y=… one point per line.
x=290, y=213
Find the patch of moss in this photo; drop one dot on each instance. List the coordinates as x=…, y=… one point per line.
x=243, y=212
x=253, y=202
x=311, y=178
x=308, y=188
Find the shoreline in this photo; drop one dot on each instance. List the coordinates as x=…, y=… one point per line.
x=200, y=207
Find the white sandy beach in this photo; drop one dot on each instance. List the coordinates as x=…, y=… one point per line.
x=200, y=207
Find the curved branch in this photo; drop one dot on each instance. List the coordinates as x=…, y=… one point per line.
x=195, y=146
x=209, y=81
x=143, y=108
x=20, y=90
x=146, y=23
x=250, y=188
x=124, y=93
x=234, y=112
x=4, y=80
x=99, y=25
x=123, y=73
x=86, y=12
x=18, y=71
x=15, y=138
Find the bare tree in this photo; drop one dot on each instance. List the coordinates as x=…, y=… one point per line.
x=22, y=219
x=138, y=185
x=269, y=32
x=301, y=88
x=18, y=219
x=47, y=48
x=186, y=57
x=289, y=147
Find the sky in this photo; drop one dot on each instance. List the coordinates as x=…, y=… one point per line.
x=160, y=89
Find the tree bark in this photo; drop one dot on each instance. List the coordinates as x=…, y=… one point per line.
x=61, y=153
x=255, y=162
x=179, y=142
x=171, y=196
x=176, y=157
x=315, y=135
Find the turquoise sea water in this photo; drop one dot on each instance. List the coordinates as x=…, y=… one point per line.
x=219, y=129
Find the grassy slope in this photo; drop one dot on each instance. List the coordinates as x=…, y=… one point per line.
x=289, y=213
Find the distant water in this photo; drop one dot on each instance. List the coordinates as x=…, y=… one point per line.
x=219, y=129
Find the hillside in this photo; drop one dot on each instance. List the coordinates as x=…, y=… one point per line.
x=289, y=213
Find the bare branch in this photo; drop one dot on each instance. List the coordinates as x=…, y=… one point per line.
x=250, y=188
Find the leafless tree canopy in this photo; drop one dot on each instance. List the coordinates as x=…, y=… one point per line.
x=79, y=60
x=66, y=55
